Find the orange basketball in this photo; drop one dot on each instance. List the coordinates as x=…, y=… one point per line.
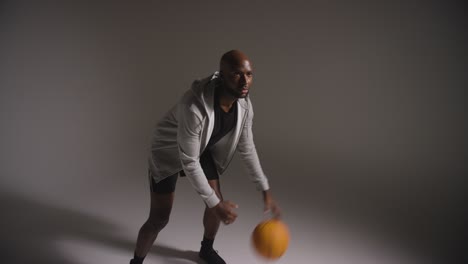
x=270, y=238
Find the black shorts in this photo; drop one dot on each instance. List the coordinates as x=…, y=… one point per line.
x=168, y=185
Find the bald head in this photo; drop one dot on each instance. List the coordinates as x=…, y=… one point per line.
x=232, y=59
x=236, y=72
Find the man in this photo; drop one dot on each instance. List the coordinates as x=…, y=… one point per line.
x=198, y=138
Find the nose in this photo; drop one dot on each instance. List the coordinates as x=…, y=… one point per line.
x=244, y=79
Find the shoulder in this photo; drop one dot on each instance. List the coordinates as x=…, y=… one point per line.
x=192, y=101
x=200, y=86
x=246, y=103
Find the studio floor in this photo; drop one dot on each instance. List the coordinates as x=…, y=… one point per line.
x=102, y=228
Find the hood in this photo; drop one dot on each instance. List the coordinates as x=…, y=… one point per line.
x=203, y=89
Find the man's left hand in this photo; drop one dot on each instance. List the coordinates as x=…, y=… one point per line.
x=270, y=205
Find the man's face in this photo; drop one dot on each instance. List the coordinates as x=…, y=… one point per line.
x=238, y=78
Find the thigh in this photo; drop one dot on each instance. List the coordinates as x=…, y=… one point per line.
x=162, y=196
x=208, y=165
x=164, y=186
x=162, y=201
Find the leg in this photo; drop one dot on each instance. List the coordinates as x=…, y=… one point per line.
x=211, y=224
x=161, y=206
x=210, y=221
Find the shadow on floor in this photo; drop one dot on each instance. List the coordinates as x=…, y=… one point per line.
x=172, y=255
x=30, y=231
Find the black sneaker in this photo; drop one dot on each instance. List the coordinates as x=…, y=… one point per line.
x=211, y=256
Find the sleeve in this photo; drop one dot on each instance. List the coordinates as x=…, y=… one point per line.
x=248, y=154
x=188, y=138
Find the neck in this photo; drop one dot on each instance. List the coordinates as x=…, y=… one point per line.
x=226, y=99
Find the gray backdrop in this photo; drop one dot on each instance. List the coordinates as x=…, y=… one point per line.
x=359, y=113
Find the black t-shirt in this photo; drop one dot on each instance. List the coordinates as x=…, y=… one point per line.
x=224, y=122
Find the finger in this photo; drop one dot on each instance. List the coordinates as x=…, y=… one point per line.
x=229, y=220
x=232, y=217
x=277, y=213
x=231, y=204
x=232, y=214
x=229, y=214
x=229, y=210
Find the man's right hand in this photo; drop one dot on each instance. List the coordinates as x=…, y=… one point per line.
x=224, y=211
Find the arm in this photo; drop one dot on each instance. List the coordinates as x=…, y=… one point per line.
x=188, y=138
x=248, y=154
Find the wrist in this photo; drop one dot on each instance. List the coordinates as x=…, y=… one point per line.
x=266, y=195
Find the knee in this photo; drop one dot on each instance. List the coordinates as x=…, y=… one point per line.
x=158, y=221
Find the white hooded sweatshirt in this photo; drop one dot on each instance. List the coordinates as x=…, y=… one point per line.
x=182, y=135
